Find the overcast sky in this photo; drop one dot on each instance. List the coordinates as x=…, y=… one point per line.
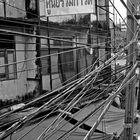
x=120, y=8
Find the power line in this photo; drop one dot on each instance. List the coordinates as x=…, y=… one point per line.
x=30, y=116
x=93, y=71
x=24, y=11
x=123, y=84
x=100, y=83
x=41, y=122
x=45, y=37
x=107, y=101
x=120, y=15
x=25, y=34
x=132, y=5
x=129, y=10
x=52, y=28
x=79, y=112
x=24, y=42
x=41, y=18
x=69, y=62
x=109, y=60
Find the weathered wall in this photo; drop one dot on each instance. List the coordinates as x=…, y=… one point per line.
x=30, y=53
x=9, y=89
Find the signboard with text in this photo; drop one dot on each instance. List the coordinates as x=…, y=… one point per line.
x=67, y=7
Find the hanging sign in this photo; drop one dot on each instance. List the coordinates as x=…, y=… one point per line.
x=67, y=7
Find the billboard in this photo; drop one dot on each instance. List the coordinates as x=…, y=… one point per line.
x=67, y=7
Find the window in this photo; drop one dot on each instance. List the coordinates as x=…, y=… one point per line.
x=7, y=56
x=7, y=72
x=31, y=8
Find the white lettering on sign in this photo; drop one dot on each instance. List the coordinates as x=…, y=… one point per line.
x=65, y=7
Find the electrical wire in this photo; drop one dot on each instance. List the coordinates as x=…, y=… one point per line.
x=71, y=104
x=121, y=16
x=126, y=47
x=129, y=11
x=62, y=86
x=57, y=39
x=129, y=44
x=123, y=84
x=42, y=66
x=34, y=127
x=79, y=112
x=69, y=62
x=38, y=57
x=31, y=114
x=133, y=6
x=24, y=42
x=29, y=29
x=46, y=37
x=61, y=47
x=11, y=5
x=18, y=139
x=83, y=120
x=39, y=16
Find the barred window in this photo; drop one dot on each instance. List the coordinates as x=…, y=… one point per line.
x=7, y=72
x=7, y=56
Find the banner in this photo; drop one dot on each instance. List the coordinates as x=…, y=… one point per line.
x=67, y=7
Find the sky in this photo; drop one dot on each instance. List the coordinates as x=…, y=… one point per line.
x=120, y=8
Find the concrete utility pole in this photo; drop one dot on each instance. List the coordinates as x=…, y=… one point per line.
x=130, y=90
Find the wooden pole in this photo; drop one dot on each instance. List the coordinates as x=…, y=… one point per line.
x=130, y=90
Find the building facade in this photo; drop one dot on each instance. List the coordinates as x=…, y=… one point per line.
x=62, y=59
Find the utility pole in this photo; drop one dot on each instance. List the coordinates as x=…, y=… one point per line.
x=114, y=25
x=4, y=5
x=38, y=48
x=130, y=90
x=108, y=49
x=49, y=57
